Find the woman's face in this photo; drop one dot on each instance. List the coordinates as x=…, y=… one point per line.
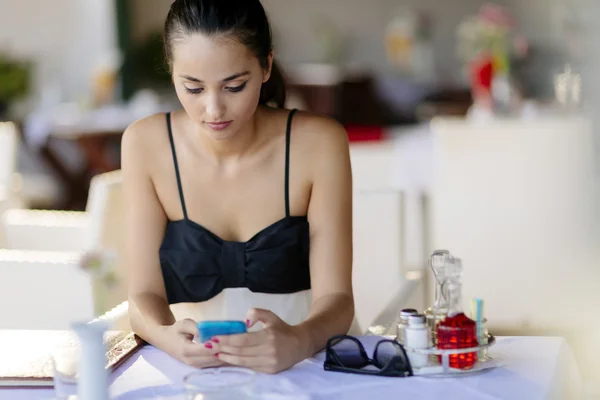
x=218, y=82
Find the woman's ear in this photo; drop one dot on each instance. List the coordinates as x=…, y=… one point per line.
x=267, y=71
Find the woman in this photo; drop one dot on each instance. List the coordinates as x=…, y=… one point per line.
x=224, y=197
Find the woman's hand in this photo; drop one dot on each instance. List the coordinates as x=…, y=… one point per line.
x=275, y=348
x=178, y=341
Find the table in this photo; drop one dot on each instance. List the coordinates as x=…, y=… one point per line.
x=534, y=368
x=68, y=134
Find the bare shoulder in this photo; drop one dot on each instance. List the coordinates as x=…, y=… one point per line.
x=146, y=133
x=319, y=135
x=143, y=140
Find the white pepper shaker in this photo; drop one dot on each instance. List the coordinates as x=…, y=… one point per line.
x=404, y=314
x=417, y=336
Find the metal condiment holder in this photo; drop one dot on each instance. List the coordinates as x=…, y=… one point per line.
x=444, y=369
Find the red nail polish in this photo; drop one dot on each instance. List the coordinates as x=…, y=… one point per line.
x=217, y=355
x=215, y=340
x=208, y=345
x=247, y=322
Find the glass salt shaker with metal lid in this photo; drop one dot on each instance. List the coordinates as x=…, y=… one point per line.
x=403, y=323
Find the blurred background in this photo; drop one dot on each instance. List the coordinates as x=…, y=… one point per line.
x=473, y=128
x=74, y=66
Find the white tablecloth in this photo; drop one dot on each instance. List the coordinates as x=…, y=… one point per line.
x=533, y=368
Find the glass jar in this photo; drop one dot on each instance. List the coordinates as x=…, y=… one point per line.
x=438, y=262
x=220, y=384
x=403, y=323
x=457, y=331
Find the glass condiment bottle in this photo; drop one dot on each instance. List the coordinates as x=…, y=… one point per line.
x=457, y=331
x=403, y=323
x=438, y=262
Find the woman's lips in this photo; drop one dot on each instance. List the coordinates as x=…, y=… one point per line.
x=218, y=126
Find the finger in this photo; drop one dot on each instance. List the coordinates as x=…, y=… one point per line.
x=246, y=351
x=204, y=362
x=242, y=339
x=246, y=362
x=255, y=315
x=191, y=349
x=188, y=326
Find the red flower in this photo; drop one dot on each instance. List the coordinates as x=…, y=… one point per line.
x=482, y=71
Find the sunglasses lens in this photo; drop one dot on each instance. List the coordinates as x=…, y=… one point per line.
x=386, y=351
x=349, y=354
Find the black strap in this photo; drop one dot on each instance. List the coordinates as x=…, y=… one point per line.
x=176, y=166
x=287, y=162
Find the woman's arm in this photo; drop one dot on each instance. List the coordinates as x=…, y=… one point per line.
x=145, y=221
x=144, y=225
x=330, y=217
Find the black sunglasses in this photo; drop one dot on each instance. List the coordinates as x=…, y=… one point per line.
x=347, y=354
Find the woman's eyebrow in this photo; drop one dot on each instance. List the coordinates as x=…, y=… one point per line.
x=229, y=78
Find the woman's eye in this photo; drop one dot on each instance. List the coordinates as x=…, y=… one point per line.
x=193, y=91
x=236, y=89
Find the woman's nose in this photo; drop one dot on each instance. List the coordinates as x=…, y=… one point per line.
x=215, y=108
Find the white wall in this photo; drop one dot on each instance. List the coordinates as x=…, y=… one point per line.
x=536, y=18
x=65, y=38
x=542, y=20
x=68, y=36
x=363, y=21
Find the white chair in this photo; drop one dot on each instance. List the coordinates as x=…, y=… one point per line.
x=43, y=290
x=10, y=181
x=5, y=204
x=96, y=228
x=383, y=283
x=8, y=152
x=99, y=228
x=49, y=290
x=389, y=240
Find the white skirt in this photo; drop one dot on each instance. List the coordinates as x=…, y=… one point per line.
x=234, y=303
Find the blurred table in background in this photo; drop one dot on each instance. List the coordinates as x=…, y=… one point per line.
x=78, y=144
x=100, y=154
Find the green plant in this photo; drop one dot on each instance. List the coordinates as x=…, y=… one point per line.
x=14, y=79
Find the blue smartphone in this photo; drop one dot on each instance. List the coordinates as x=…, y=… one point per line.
x=209, y=329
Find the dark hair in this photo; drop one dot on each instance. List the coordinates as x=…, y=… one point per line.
x=244, y=20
